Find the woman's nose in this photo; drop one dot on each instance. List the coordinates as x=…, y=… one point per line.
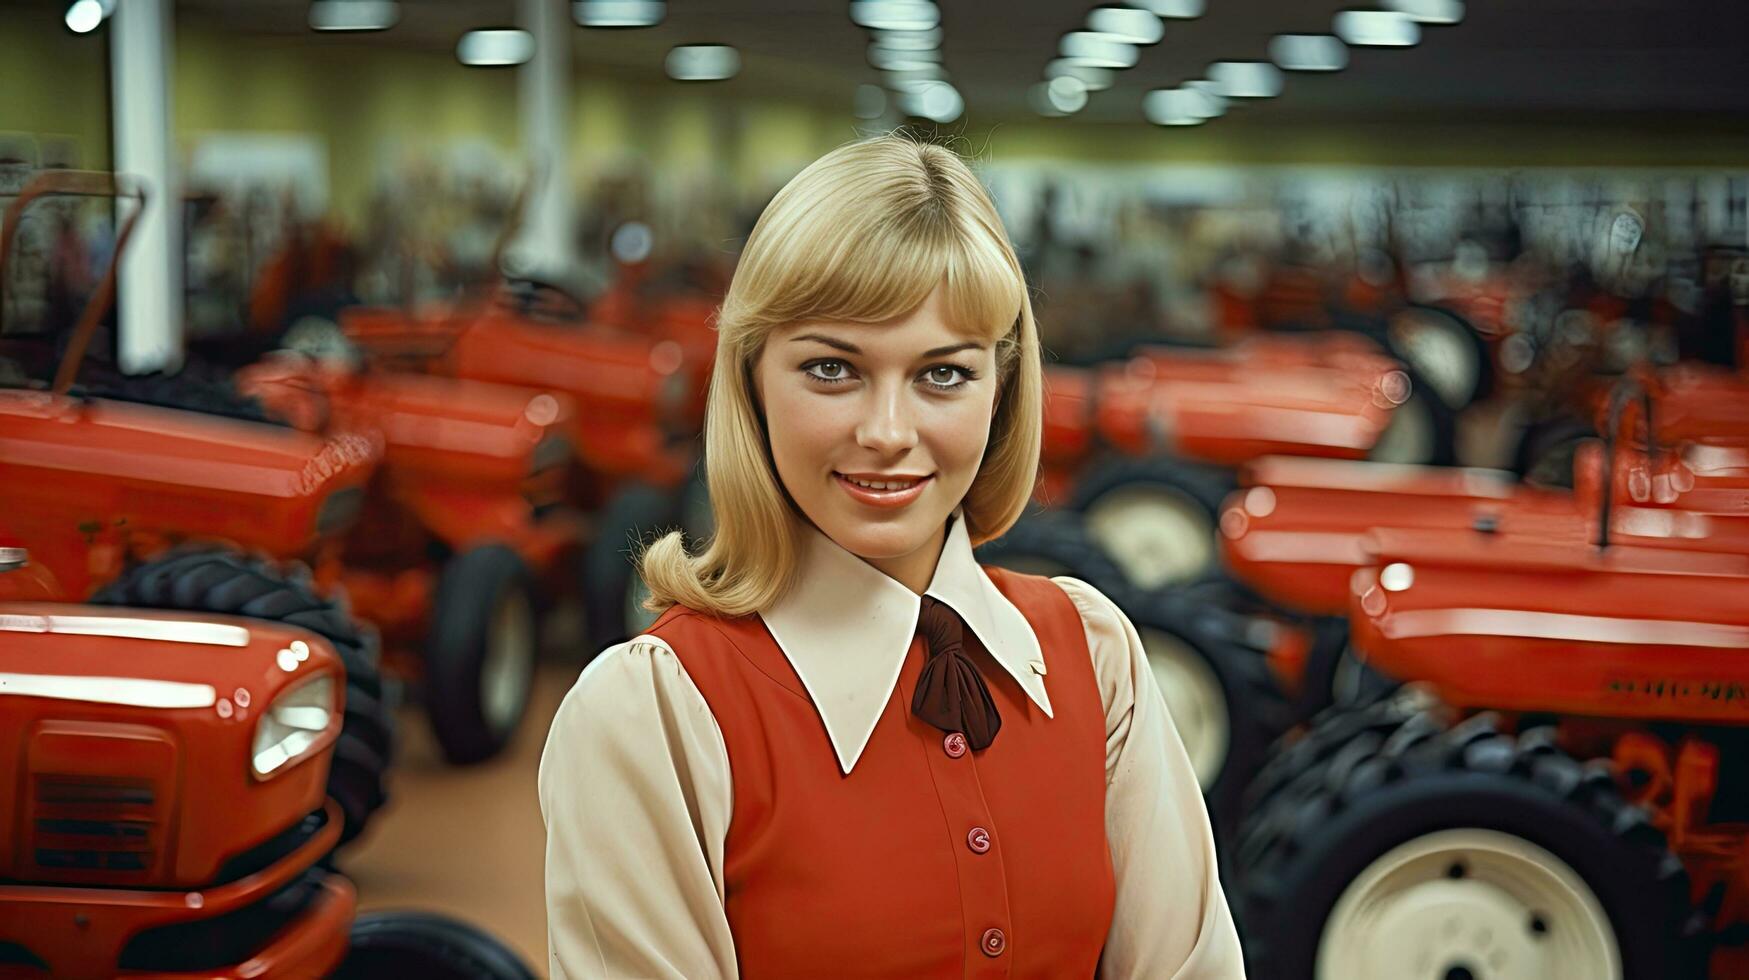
x=888, y=427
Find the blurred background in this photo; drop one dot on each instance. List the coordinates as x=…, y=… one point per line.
x=1394, y=391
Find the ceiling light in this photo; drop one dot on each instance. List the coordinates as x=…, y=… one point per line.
x=702, y=62
x=887, y=59
x=1246, y=79
x=1127, y=24
x=495, y=48
x=1211, y=94
x=935, y=101
x=84, y=16
x=618, y=13
x=1039, y=97
x=1093, y=77
x=1175, y=9
x=1172, y=107
x=1097, y=50
x=1429, y=11
x=870, y=102
x=895, y=15
x=1066, y=94
x=1308, y=52
x=1377, y=28
x=353, y=15
x=909, y=40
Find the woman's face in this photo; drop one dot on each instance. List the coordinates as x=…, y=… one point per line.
x=904, y=406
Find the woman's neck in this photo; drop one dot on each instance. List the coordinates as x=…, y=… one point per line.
x=917, y=569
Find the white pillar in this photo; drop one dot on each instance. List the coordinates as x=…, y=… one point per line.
x=544, y=106
x=149, y=298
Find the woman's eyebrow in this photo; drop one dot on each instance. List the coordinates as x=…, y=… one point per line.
x=952, y=349
x=829, y=342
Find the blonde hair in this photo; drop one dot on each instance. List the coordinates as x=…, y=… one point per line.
x=863, y=235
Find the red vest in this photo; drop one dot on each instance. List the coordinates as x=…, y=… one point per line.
x=922, y=861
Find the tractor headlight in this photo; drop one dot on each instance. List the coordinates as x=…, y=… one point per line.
x=292, y=726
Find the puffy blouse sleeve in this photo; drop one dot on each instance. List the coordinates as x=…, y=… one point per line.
x=1171, y=918
x=635, y=792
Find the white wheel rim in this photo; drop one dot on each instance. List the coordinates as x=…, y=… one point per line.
x=1156, y=534
x=1411, y=916
x=508, y=668
x=1441, y=354
x=1195, y=700
x=1408, y=437
x=638, y=618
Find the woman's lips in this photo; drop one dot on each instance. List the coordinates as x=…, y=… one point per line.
x=882, y=498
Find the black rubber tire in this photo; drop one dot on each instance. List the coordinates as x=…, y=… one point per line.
x=1056, y=543
x=1333, y=674
x=469, y=591
x=216, y=580
x=1442, y=422
x=1546, y=449
x=1459, y=326
x=637, y=515
x=1205, y=485
x=1382, y=788
x=1232, y=644
x=427, y=946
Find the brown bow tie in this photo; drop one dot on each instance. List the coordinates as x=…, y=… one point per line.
x=951, y=694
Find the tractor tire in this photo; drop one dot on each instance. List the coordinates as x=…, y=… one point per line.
x=613, y=591
x=480, y=653
x=428, y=946
x=1441, y=346
x=1156, y=517
x=214, y=580
x=1546, y=450
x=1480, y=853
x=1422, y=431
x=1334, y=675
x=1054, y=543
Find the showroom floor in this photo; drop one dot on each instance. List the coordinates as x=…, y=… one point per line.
x=468, y=841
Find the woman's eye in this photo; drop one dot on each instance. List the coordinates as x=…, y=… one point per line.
x=945, y=376
x=828, y=370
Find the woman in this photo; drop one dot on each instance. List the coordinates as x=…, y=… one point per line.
x=845, y=749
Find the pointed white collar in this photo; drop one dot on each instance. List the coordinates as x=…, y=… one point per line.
x=846, y=626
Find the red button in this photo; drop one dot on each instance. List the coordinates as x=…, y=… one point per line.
x=978, y=840
x=954, y=744
x=994, y=942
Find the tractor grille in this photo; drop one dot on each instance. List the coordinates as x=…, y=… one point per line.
x=94, y=824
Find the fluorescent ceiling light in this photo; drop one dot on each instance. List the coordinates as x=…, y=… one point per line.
x=1097, y=50
x=84, y=16
x=1181, y=106
x=1093, y=77
x=1211, y=94
x=909, y=40
x=1377, y=29
x=1066, y=94
x=895, y=15
x=702, y=62
x=1308, y=52
x=1429, y=11
x=1127, y=24
x=886, y=59
x=870, y=102
x=1246, y=79
x=354, y=15
x=1039, y=97
x=1172, y=107
x=1174, y=9
x=619, y=13
x=495, y=48
x=935, y=101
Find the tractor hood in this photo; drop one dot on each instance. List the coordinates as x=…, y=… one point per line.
x=96, y=465
x=1564, y=626
x=132, y=743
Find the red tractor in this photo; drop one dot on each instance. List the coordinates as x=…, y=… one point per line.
x=1145, y=447
x=463, y=536
x=1554, y=796
x=146, y=505
x=639, y=408
x=165, y=811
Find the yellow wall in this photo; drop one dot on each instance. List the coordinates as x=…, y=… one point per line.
x=53, y=82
